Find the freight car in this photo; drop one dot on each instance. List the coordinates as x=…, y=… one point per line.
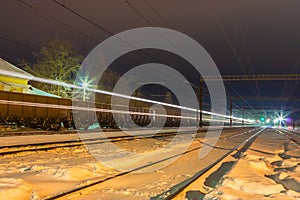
x=50, y=113
x=34, y=110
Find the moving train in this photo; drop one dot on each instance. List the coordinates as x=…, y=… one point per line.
x=51, y=113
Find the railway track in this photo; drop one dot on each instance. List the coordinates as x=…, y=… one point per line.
x=290, y=135
x=235, y=152
x=72, y=131
x=44, y=146
x=43, y=132
x=181, y=189
x=34, y=132
x=96, y=181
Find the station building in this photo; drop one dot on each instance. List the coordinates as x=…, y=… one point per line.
x=14, y=79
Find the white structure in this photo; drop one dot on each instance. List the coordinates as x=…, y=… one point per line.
x=10, y=80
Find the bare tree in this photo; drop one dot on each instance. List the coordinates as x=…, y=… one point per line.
x=56, y=60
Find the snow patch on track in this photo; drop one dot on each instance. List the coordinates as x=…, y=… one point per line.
x=262, y=176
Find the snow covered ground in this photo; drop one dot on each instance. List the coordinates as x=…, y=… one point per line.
x=268, y=169
x=255, y=177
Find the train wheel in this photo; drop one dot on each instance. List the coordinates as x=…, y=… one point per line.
x=46, y=126
x=85, y=126
x=55, y=126
x=66, y=124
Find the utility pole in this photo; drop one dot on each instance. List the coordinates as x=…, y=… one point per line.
x=242, y=117
x=201, y=101
x=230, y=112
x=84, y=93
x=197, y=113
x=293, y=119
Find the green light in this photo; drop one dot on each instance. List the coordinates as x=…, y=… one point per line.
x=262, y=119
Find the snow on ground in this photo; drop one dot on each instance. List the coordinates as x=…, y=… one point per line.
x=19, y=140
x=145, y=185
x=39, y=174
x=35, y=175
x=268, y=170
x=14, y=188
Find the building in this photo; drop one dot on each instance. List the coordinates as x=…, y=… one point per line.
x=14, y=79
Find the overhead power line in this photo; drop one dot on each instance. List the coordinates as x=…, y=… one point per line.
x=260, y=98
x=138, y=12
x=83, y=17
x=53, y=19
x=150, y=24
x=15, y=42
x=235, y=54
x=109, y=32
x=258, y=77
x=160, y=17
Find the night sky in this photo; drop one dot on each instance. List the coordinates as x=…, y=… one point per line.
x=242, y=37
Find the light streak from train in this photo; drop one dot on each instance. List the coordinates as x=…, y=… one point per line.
x=78, y=108
x=60, y=83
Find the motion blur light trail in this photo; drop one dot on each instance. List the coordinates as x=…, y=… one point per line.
x=55, y=106
x=60, y=83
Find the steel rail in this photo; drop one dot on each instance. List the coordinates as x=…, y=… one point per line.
x=176, y=189
x=89, y=183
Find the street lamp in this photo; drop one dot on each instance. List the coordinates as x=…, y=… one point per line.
x=86, y=82
x=85, y=86
x=199, y=93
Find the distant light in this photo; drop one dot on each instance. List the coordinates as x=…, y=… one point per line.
x=251, y=120
x=85, y=84
x=288, y=119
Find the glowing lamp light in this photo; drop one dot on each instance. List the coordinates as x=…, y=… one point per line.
x=85, y=84
x=281, y=119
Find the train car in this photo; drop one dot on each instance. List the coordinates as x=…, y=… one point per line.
x=50, y=113
x=35, y=111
